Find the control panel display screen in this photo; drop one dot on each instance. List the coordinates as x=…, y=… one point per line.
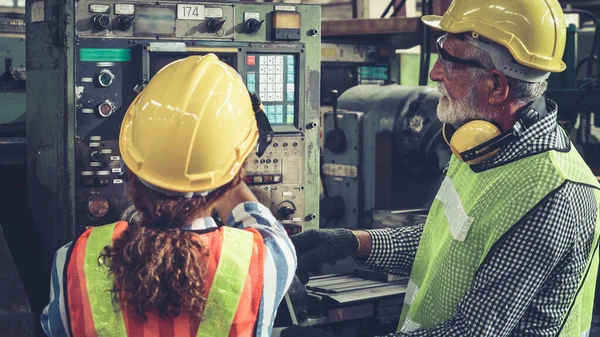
x=160, y=60
x=372, y=74
x=274, y=78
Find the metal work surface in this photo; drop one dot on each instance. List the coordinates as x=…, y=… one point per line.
x=345, y=297
x=84, y=73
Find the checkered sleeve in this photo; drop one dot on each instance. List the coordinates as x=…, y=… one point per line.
x=528, y=280
x=393, y=249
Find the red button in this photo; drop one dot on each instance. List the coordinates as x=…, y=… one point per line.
x=251, y=60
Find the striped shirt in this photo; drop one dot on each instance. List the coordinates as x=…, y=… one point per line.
x=279, y=268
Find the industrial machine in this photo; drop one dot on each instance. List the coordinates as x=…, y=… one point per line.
x=345, y=65
x=12, y=76
x=383, y=152
x=382, y=163
x=15, y=308
x=12, y=86
x=576, y=91
x=86, y=62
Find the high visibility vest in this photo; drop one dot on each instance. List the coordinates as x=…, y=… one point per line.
x=233, y=286
x=471, y=212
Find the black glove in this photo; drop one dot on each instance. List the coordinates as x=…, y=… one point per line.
x=317, y=246
x=301, y=331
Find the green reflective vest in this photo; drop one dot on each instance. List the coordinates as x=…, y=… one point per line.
x=470, y=213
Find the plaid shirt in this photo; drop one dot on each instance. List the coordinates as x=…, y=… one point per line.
x=529, y=279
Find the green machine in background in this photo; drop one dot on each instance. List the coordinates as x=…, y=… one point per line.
x=12, y=86
x=86, y=62
x=576, y=90
x=12, y=54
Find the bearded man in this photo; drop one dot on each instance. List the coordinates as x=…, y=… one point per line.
x=509, y=247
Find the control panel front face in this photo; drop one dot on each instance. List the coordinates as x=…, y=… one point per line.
x=116, y=57
x=151, y=20
x=277, y=178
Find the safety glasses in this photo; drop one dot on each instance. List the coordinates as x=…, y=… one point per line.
x=449, y=62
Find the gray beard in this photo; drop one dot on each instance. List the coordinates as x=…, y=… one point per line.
x=458, y=113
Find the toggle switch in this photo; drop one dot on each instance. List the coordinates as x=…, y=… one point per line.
x=214, y=25
x=124, y=22
x=253, y=25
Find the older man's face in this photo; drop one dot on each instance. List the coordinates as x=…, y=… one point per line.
x=461, y=101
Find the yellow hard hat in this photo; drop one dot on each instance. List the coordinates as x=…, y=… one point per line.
x=534, y=31
x=190, y=130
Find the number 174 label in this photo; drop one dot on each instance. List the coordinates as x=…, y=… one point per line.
x=190, y=12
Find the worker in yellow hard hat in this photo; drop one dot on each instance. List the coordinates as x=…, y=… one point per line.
x=184, y=139
x=510, y=245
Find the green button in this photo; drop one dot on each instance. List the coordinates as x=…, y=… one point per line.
x=251, y=77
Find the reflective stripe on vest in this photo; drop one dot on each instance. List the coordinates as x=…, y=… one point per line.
x=228, y=284
x=471, y=212
x=99, y=283
x=222, y=301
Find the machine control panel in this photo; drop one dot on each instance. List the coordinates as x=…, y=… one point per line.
x=157, y=20
x=121, y=46
x=273, y=78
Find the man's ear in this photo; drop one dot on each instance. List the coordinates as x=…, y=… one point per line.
x=498, y=91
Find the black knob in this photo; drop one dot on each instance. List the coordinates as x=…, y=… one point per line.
x=253, y=26
x=285, y=212
x=214, y=25
x=101, y=21
x=95, y=156
x=335, y=141
x=124, y=22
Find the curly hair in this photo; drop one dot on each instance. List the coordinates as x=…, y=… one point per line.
x=156, y=264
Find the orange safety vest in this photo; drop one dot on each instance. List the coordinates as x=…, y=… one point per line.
x=233, y=289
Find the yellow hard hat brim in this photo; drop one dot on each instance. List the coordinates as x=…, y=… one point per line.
x=433, y=21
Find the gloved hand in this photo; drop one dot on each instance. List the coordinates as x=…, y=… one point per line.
x=301, y=331
x=317, y=246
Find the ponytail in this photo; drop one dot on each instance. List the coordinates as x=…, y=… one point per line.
x=155, y=263
x=160, y=269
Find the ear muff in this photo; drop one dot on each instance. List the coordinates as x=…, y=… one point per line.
x=479, y=140
x=475, y=141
